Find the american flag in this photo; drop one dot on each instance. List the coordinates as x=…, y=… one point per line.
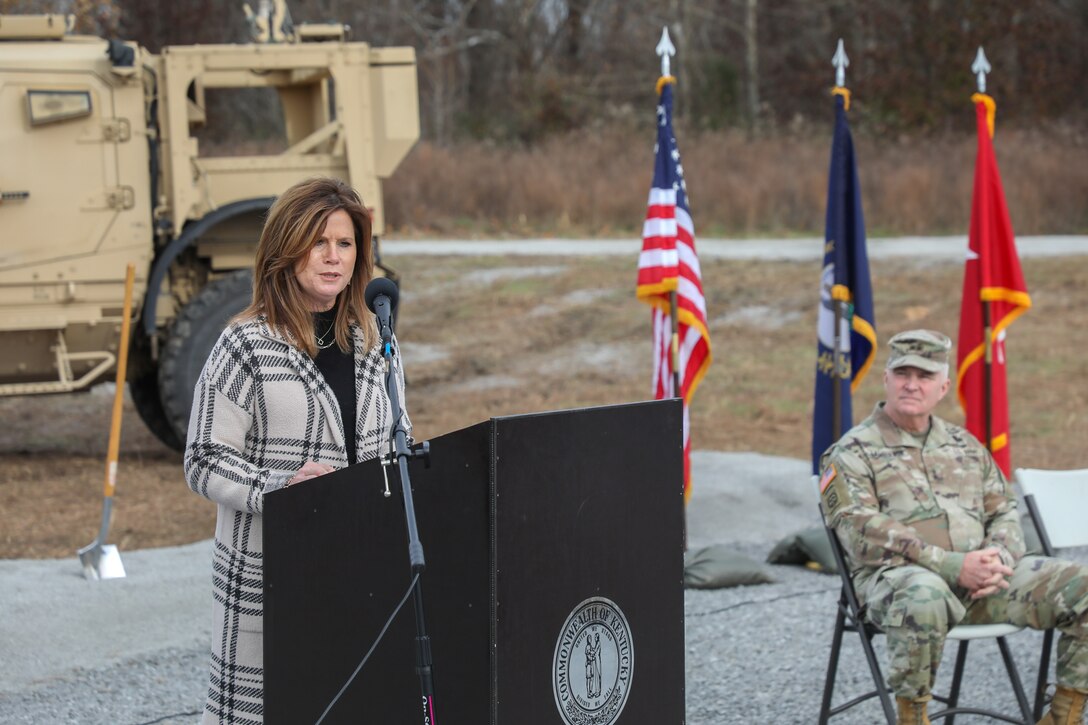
x=668, y=263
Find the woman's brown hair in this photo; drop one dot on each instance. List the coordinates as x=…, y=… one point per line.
x=295, y=222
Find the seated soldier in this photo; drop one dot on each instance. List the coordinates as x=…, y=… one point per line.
x=930, y=529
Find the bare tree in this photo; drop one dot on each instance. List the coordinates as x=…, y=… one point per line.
x=751, y=63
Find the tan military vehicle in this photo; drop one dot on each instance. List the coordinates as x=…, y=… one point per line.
x=101, y=165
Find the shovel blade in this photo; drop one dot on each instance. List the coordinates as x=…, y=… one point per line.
x=102, y=562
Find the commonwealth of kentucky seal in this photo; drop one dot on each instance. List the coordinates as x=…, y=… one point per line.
x=593, y=664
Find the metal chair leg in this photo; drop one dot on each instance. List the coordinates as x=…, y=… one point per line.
x=832, y=666
x=878, y=676
x=957, y=679
x=843, y=623
x=1014, y=678
x=1044, y=672
x=849, y=608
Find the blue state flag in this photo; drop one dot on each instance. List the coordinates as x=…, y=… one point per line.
x=845, y=278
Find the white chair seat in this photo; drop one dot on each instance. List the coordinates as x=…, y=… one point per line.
x=982, y=631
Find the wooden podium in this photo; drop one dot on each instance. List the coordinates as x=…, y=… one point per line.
x=553, y=589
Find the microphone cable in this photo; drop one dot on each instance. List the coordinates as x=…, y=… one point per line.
x=377, y=640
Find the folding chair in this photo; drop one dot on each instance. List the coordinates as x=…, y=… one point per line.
x=1056, y=502
x=851, y=618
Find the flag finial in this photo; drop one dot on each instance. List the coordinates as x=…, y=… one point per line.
x=840, y=61
x=980, y=68
x=665, y=48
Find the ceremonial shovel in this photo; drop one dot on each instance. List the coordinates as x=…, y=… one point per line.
x=102, y=561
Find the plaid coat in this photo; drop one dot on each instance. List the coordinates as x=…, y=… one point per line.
x=261, y=409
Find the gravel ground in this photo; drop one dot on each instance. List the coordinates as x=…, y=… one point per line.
x=134, y=650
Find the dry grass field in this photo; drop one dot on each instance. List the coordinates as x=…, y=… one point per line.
x=593, y=182
x=488, y=336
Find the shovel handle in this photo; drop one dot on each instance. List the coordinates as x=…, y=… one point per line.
x=119, y=394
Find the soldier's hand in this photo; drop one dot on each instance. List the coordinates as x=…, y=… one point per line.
x=995, y=584
x=987, y=591
x=983, y=573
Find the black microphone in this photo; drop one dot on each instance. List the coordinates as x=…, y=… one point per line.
x=381, y=299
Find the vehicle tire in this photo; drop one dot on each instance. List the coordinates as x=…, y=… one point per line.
x=143, y=386
x=192, y=337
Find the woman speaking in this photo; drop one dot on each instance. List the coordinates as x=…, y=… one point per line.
x=293, y=389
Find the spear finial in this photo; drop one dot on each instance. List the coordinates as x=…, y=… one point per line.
x=665, y=48
x=840, y=61
x=980, y=68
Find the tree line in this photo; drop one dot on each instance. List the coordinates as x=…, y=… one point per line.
x=521, y=70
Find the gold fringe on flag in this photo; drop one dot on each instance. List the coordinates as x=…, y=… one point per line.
x=845, y=93
x=991, y=109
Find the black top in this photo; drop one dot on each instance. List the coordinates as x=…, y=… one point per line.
x=338, y=368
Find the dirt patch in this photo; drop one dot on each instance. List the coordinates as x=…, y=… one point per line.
x=52, y=474
x=564, y=336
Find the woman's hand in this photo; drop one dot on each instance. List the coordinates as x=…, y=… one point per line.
x=310, y=469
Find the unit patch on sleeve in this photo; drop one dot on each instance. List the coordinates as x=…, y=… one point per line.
x=832, y=490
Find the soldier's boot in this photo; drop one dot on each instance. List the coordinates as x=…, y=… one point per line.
x=1067, y=707
x=912, y=711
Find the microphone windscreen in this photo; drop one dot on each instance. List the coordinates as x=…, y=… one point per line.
x=381, y=286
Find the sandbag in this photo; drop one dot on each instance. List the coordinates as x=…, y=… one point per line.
x=809, y=548
x=717, y=566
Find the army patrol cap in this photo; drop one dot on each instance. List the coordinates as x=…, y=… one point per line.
x=923, y=349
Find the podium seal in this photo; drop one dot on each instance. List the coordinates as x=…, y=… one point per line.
x=593, y=664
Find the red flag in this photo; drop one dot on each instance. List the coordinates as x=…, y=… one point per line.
x=991, y=276
x=667, y=264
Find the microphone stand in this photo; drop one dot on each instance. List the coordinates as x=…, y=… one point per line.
x=401, y=452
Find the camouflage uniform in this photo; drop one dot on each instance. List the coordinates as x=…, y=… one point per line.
x=907, y=508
